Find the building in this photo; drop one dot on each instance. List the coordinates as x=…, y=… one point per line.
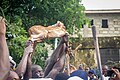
x=107, y=22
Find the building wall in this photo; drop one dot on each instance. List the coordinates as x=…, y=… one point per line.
x=110, y=56
x=112, y=30
x=113, y=25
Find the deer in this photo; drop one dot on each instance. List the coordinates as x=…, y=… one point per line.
x=39, y=33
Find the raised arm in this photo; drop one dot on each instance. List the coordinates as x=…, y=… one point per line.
x=4, y=53
x=56, y=58
x=21, y=69
x=59, y=64
x=116, y=71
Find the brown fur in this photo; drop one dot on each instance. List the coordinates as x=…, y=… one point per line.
x=39, y=33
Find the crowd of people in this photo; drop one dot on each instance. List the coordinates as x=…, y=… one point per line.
x=54, y=69
x=87, y=74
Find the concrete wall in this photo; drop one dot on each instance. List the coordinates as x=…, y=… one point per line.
x=113, y=25
x=112, y=30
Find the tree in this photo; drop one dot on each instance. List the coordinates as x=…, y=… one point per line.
x=22, y=14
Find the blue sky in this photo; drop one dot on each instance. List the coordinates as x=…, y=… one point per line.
x=101, y=4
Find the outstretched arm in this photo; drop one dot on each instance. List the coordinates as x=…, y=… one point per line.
x=56, y=58
x=28, y=72
x=21, y=69
x=59, y=65
x=4, y=53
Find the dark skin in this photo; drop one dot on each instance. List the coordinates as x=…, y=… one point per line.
x=58, y=67
x=4, y=53
x=20, y=70
x=24, y=66
x=40, y=33
x=28, y=72
x=23, y=69
x=5, y=72
x=57, y=59
x=117, y=73
x=37, y=71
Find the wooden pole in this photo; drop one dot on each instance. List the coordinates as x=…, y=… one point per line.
x=97, y=51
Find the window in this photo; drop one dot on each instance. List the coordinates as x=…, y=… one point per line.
x=84, y=23
x=92, y=22
x=104, y=23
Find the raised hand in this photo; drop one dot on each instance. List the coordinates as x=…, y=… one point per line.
x=2, y=26
x=116, y=71
x=29, y=47
x=22, y=66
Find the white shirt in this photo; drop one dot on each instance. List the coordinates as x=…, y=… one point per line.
x=40, y=79
x=75, y=78
x=105, y=78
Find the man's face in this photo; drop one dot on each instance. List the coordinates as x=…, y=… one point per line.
x=91, y=75
x=39, y=73
x=104, y=70
x=87, y=69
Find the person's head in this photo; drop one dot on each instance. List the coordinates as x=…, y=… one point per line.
x=71, y=67
x=91, y=74
x=104, y=69
x=80, y=67
x=87, y=69
x=80, y=73
x=37, y=71
x=13, y=76
x=61, y=76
